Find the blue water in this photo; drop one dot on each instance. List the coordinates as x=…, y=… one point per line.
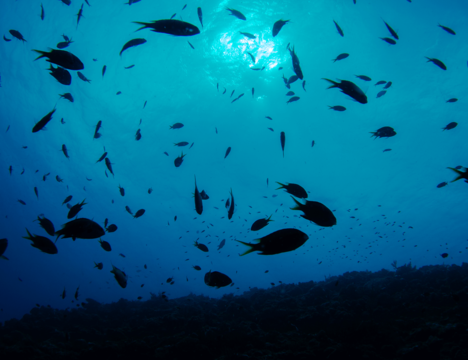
x=387, y=204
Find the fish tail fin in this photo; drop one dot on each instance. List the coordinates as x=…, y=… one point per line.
x=251, y=246
x=299, y=205
x=43, y=54
x=428, y=59
x=281, y=187
x=269, y=219
x=460, y=174
x=145, y=25
x=333, y=84
x=29, y=237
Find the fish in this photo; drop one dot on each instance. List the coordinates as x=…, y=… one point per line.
x=132, y=43
x=42, y=243
x=43, y=122
x=292, y=79
x=81, y=228
x=381, y=93
x=381, y=82
x=237, y=98
x=450, y=31
x=277, y=26
x=349, y=88
x=138, y=135
x=16, y=34
x=64, y=294
x=36, y=192
x=172, y=27
x=67, y=199
x=65, y=151
x=364, y=77
x=202, y=247
x=337, y=108
x=393, y=32
x=338, y=29
x=228, y=201
x=303, y=85
x=387, y=150
x=79, y=16
x=444, y=255
x=104, y=68
x=111, y=228
x=122, y=191
x=248, y=35
x=450, y=126
x=103, y=156
x=231, y=207
x=196, y=267
x=388, y=85
x=217, y=279
x=75, y=209
x=150, y=190
x=97, y=135
x=122, y=255
x=290, y=93
x=6, y=39
x=77, y=293
x=105, y=245
x=61, y=75
x=63, y=44
x=178, y=161
x=294, y=189
x=47, y=225
x=389, y=41
x=62, y=58
x=198, y=200
x=22, y=202
x=42, y=12
x=237, y=14
x=452, y=100
x=341, y=57
x=182, y=143
x=293, y=99
x=221, y=244
x=67, y=96
x=232, y=93
x=3, y=247
x=139, y=213
x=253, y=92
x=98, y=265
x=251, y=57
x=227, y=152
x=82, y=77
x=204, y=195
x=316, y=212
x=120, y=276
x=283, y=140
x=176, y=126
x=109, y=165
x=260, y=223
x=296, y=64
x=442, y=184
x=385, y=131
x=191, y=45
x=277, y=242
x=437, y=62
x=200, y=15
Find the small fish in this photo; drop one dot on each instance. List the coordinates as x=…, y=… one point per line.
x=253, y=92
x=227, y=152
x=126, y=68
x=75, y=209
x=64, y=293
x=381, y=82
x=313, y=143
x=260, y=224
x=6, y=39
x=198, y=200
x=349, y=88
x=389, y=41
x=176, y=126
x=338, y=28
x=67, y=96
x=191, y=45
x=97, y=135
x=79, y=16
x=341, y=57
x=67, y=199
x=42, y=243
x=105, y=245
x=387, y=150
x=138, y=135
x=42, y=12
x=65, y=151
x=437, y=62
x=36, y=192
x=202, y=247
x=103, y=156
x=112, y=228
x=16, y=34
x=251, y=57
x=22, y=202
x=122, y=191
x=450, y=126
x=364, y=77
x=132, y=43
x=393, y=32
x=303, y=85
x=388, y=85
x=381, y=93
x=109, y=166
x=293, y=99
x=442, y=184
x=182, y=143
x=283, y=140
x=237, y=14
x=384, y=132
x=82, y=77
x=139, y=213
x=150, y=190
x=98, y=265
x=452, y=100
x=337, y=108
x=221, y=244
x=450, y=31
x=178, y=161
x=122, y=255
x=248, y=35
x=268, y=117
x=120, y=276
x=58, y=178
x=76, y=293
x=43, y=122
x=277, y=242
x=277, y=26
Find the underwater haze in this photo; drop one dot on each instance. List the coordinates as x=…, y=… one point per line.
x=379, y=166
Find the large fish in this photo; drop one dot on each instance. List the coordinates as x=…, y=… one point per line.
x=43, y=122
x=172, y=27
x=296, y=65
x=277, y=26
x=131, y=43
x=63, y=58
x=81, y=228
x=349, y=88
x=278, y=242
x=120, y=276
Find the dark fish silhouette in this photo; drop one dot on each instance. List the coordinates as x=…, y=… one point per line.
x=452, y=100
x=385, y=131
x=81, y=228
x=204, y=195
x=63, y=58
x=363, y=77
x=42, y=243
x=6, y=39
x=198, y=200
x=260, y=223
x=65, y=151
x=283, y=140
x=109, y=166
x=105, y=245
x=120, y=276
x=111, y=228
x=82, y=77
x=67, y=96
x=316, y=212
x=176, y=126
x=450, y=126
x=393, y=32
x=104, y=68
x=47, y=225
x=179, y=160
x=277, y=242
x=172, y=27
x=75, y=209
x=389, y=41
x=294, y=189
x=202, y=247
x=231, y=207
x=122, y=191
x=237, y=14
x=341, y=57
x=97, y=135
x=43, y=122
x=42, y=12
x=248, y=35
x=35, y=191
x=79, y=16
x=103, y=156
x=131, y=43
x=67, y=199
x=217, y=279
x=17, y=34
x=337, y=108
x=3, y=247
x=437, y=62
x=200, y=16
x=338, y=28
x=381, y=93
x=388, y=85
x=381, y=82
x=349, y=88
x=293, y=99
x=296, y=65
x=442, y=184
x=138, y=135
x=227, y=152
x=277, y=26
x=182, y=143
x=450, y=31
x=98, y=265
x=139, y=213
